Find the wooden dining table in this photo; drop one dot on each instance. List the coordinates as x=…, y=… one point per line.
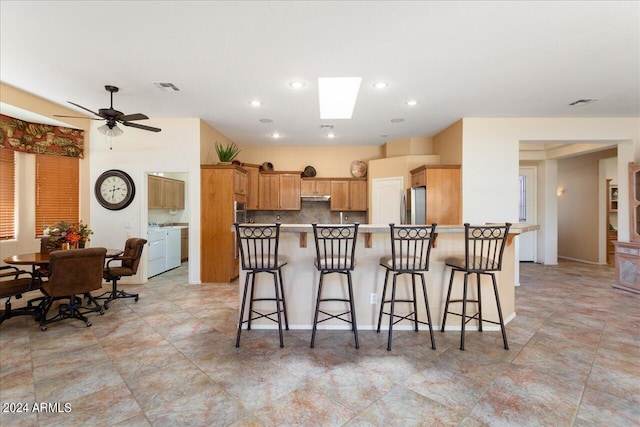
x=39, y=259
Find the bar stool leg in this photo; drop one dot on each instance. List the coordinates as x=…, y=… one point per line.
x=478, y=278
x=278, y=311
x=393, y=303
x=284, y=304
x=384, y=293
x=253, y=288
x=464, y=311
x=502, y=328
x=353, y=311
x=446, y=304
x=315, y=317
x=244, y=301
x=426, y=303
x=415, y=302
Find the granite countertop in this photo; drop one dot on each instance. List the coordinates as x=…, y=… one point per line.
x=517, y=228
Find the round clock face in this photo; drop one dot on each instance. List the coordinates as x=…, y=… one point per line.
x=115, y=189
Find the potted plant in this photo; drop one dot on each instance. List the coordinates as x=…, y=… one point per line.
x=227, y=153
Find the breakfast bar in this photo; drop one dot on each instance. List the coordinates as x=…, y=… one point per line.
x=301, y=278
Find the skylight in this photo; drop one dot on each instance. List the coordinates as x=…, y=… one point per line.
x=338, y=96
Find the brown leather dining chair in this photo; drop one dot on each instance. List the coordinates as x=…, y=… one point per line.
x=128, y=266
x=71, y=273
x=14, y=283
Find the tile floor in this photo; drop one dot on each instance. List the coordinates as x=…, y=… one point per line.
x=170, y=360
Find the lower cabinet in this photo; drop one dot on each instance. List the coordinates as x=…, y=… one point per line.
x=184, y=245
x=627, y=266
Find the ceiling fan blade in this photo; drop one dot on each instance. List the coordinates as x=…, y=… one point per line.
x=143, y=127
x=86, y=109
x=77, y=117
x=131, y=117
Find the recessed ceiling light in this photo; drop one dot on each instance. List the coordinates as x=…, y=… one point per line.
x=256, y=103
x=275, y=135
x=338, y=96
x=380, y=85
x=398, y=120
x=266, y=121
x=384, y=136
x=331, y=135
x=297, y=84
x=412, y=102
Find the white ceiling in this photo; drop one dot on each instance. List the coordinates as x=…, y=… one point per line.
x=457, y=59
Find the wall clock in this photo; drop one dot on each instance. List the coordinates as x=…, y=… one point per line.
x=115, y=189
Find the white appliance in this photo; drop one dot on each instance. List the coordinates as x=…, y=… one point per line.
x=173, y=244
x=156, y=260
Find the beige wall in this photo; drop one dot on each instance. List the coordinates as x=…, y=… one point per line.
x=409, y=146
x=448, y=144
x=208, y=138
x=328, y=161
x=578, y=206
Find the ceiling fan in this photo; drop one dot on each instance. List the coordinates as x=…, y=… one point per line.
x=113, y=117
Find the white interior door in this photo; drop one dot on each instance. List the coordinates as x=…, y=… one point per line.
x=386, y=199
x=527, y=209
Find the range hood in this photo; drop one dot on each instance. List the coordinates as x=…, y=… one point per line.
x=315, y=197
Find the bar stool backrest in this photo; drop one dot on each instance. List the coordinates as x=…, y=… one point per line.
x=335, y=246
x=258, y=246
x=411, y=247
x=485, y=246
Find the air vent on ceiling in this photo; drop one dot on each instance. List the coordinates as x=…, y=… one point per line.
x=583, y=101
x=167, y=86
x=326, y=126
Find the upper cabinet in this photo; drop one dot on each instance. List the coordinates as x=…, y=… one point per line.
x=279, y=191
x=444, y=192
x=253, y=176
x=240, y=183
x=165, y=193
x=349, y=195
x=315, y=186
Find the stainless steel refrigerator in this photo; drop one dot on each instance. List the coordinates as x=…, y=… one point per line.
x=415, y=206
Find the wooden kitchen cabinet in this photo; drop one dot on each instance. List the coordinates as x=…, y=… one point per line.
x=268, y=193
x=627, y=266
x=289, y=197
x=240, y=183
x=349, y=195
x=184, y=244
x=315, y=187
x=165, y=193
x=253, y=189
x=443, y=190
x=218, y=254
x=279, y=191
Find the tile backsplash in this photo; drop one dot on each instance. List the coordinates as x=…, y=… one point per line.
x=309, y=212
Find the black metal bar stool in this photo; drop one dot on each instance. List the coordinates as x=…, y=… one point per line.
x=484, y=247
x=335, y=253
x=410, y=250
x=258, y=245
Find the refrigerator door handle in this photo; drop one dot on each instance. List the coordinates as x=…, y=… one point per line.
x=403, y=208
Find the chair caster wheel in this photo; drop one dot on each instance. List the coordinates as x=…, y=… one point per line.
x=43, y=328
x=88, y=324
x=101, y=312
x=106, y=307
x=136, y=299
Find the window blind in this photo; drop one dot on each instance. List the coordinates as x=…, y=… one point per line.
x=7, y=194
x=57, y=190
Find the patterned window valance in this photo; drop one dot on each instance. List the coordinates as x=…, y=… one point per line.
x=38, y=138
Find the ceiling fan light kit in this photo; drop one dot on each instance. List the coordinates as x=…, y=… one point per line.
x=113, y=117
x=110, y=131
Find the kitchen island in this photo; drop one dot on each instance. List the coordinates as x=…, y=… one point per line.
x=301, y=279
